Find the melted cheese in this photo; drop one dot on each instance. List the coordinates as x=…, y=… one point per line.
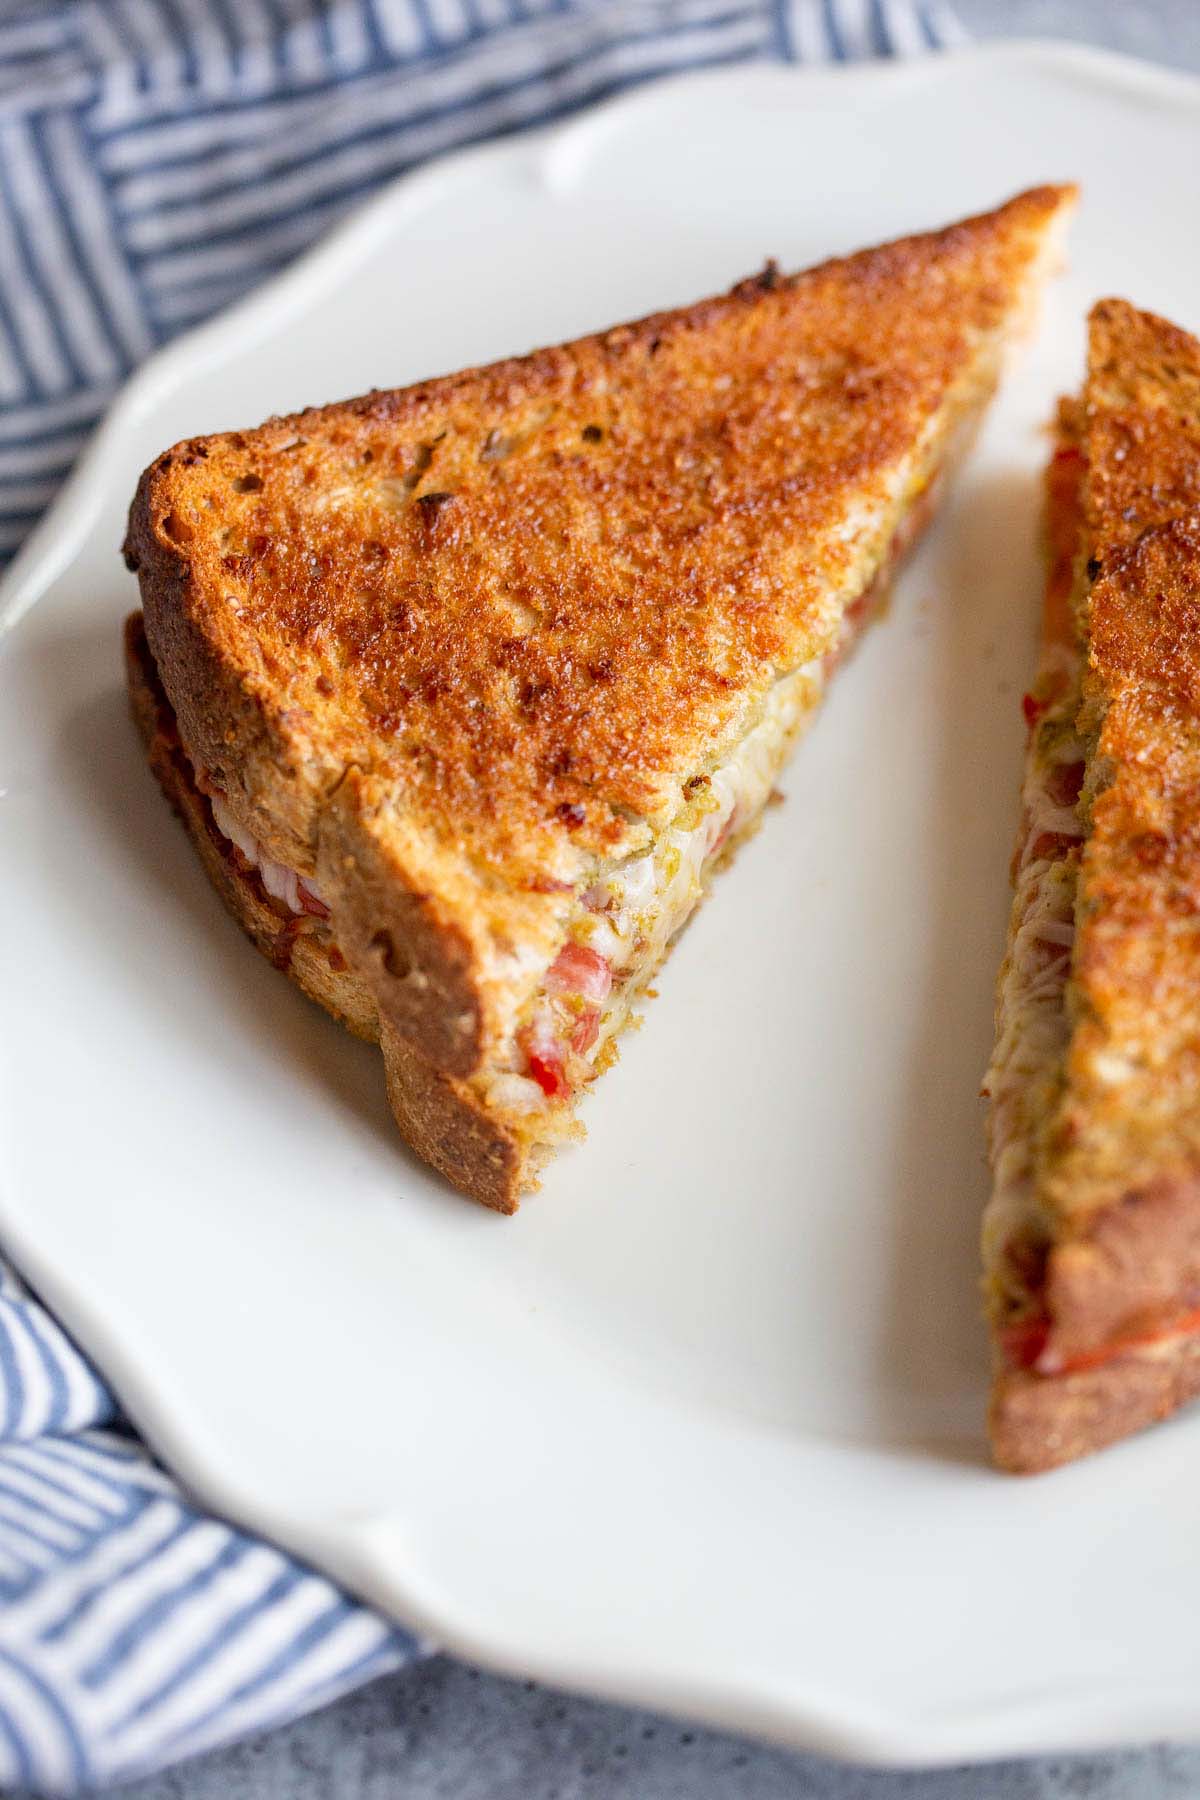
x=280, y=882
x=1032, y=1020
x=631, y=912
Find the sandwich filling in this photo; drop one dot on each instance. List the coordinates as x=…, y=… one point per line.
x=628, y=916
x=1032, y=1023
x=283, y=884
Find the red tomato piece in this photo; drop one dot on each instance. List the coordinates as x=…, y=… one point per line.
x=310, y=901
x=549, y=1075
x=578, y=970
x=1065, y=783
x=1024, y=1341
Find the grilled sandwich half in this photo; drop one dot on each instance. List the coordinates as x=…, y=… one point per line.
x=463, y=691
x=1092, y=1237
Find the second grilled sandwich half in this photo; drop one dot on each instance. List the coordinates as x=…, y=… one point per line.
x=463, y=690
x=1092, y=1237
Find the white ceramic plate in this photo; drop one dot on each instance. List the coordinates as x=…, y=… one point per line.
x=702, y=1427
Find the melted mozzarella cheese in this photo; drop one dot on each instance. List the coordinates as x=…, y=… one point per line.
x=631, y=912
x=1032, y=1020
x=280, y=882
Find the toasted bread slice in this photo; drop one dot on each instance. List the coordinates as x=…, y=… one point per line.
x=486, y=674
x=442, y=1119
x=1092, y=1243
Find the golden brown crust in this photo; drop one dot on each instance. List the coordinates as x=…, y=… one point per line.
x=1131, y=1111
x=442, y=1120
x=1118, y=1174
x=407, y=944
x=1038, y=1422
x=448, y=1125
x=524, y=603
x=301, y=947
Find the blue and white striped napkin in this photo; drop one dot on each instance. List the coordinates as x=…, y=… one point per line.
x=134, y=1629
x=158, y=158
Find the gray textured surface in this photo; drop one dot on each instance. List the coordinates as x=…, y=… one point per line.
x=1166, y=31
x=442, y=1732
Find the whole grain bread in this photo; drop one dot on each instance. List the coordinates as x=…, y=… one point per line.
x=448, y=650
x=1040, y=1422
x=1130, y=1110
x=440, y=1118
x=1118, y=1165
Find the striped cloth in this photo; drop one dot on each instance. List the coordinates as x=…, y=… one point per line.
x=133, y=1629
x=158, y=158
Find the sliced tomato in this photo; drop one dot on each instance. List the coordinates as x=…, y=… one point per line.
x=1050, y=689
x=311, y=903
x=545, y=1054
x=549, y=1074
x=1034, y=709
x=1024, y=1341
x=1183, y=1325
x=583, y=979
x=1051, y=845
x=578, y=970
x=1064, y=783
